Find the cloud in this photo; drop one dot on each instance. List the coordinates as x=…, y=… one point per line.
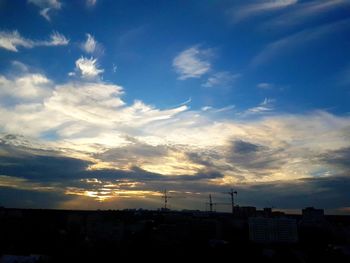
x=91, y=3
x=99, y=147
x=69, y=184
x=192, y=62
x=251, y=10
x=11, y=40
x=259, y=159
x=27, y=87
x=56, y=39
x=88, y=67
x=263, y=107
x=305, y=11
x=221, y=79
x=91, y=46
x=264, y=85
x=46, y=6
x=338, y=158
x=299, y=39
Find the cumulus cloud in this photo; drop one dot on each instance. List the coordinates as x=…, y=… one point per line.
x=192, y=62
x=26, y=87
x=88, y=67
x=12, y=40
x=46, y=7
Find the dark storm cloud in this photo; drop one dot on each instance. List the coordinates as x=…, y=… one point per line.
x=339, y=158
x=255, y=157
x=42, y=168
x=48, y=168
x=11, y=197
x=132, y=152
x=23, y=162
x=327, y=192
x=242, y=147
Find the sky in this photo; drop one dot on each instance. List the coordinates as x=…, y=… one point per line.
x=105, y=104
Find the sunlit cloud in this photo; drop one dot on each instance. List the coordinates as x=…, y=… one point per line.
x=88, y=67
x=12, y=40
x=111, y=149
x=192, y=62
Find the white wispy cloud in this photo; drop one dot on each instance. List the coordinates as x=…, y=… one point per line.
x=265, y=106
x=221, y=79
x=250, y=10
x=299, y=39
x=56, y=39
x=12, y=40
x=265, y=85
x=46, y=6
x=91, y=45
x=91, y=3
x=20, y=66
x=307, y=10
x=88, y=67
x=192, y=62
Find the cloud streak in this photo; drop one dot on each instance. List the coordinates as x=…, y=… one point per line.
x=304, y=11
x=221, y=79
x=299, y=39
x=250, y=10
x=12, y=40
x=192, y=62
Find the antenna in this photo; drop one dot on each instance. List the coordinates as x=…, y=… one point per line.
x=166, y=197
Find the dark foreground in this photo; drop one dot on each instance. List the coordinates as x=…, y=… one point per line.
x=28, y=235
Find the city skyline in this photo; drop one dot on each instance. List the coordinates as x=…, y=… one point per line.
x=105, y=104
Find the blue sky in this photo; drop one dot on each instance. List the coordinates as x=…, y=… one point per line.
x=201, y=95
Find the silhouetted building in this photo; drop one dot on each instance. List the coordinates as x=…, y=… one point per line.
x=311, y=214
x=273, y=230
x=244, y=211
